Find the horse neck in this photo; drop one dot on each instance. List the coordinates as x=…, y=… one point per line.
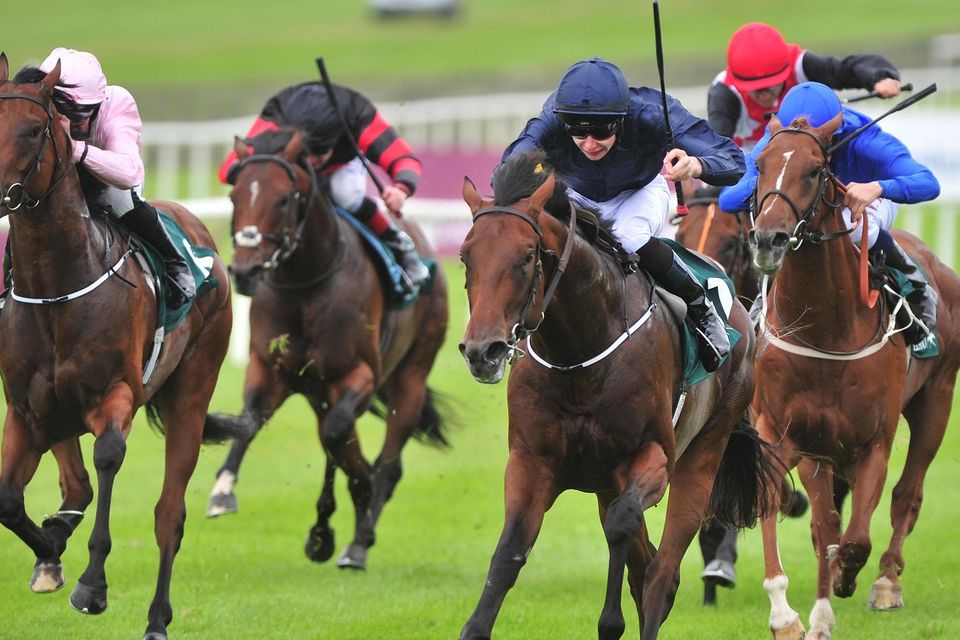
x=53, y=247
x=587, y=308
x=318, y=248
x=816, y=291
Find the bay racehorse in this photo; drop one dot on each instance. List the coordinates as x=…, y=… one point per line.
x=834, y=376
x=320, y=326
x=76, y=335
x=592, y=407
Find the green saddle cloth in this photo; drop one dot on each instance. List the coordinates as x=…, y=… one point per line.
x=721, y=292
x=929, y=347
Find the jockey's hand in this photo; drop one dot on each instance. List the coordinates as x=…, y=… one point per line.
x=686, y=167
x=859, y=196
x=887, y=88
x=394, y=197
x=78, y=147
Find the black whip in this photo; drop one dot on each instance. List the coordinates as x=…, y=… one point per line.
x=671, y=143
x=874, y=94
x=899, y=107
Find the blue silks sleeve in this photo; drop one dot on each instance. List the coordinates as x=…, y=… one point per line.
x=877, y=155
x=735, y=198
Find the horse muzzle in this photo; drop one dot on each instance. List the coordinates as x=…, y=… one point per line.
x=486, y=359
x=246, y=278
x=768, y=248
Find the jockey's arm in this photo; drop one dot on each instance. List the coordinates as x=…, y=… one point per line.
x=117, y=160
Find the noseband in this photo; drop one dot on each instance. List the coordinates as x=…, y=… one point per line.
x=802, y=231
x=287, y=240
x=16, y=195
x=520, y=330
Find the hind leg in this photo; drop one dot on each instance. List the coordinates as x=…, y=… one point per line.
x=77, y=495
x=263, y=393
x=927, y=415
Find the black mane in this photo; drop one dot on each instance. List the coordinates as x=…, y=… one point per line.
x=521, y=174
x=273, y=142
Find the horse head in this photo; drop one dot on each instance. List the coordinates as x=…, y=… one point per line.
x=794, y=191
x=34, y=149
x=273, y=190
x=503, y=255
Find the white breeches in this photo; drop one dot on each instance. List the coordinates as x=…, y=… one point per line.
x=634, y=216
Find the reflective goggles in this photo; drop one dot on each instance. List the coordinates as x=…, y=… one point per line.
x=82, y=112
x=596, y=128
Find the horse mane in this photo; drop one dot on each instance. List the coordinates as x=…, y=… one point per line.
x=521, y=174
x=273, y=141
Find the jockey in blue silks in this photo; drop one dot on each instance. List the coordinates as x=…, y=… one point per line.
x=876, y=167
x=607, y=142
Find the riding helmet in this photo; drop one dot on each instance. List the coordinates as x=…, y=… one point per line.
x=593, y=87
x=81, y=70
x=757, y=57
x=811, y=100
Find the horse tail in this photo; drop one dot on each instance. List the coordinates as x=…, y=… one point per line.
x=217, y=428
x=434, y=420
x=747, y=475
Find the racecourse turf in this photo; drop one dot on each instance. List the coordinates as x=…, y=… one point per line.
x=245, y=576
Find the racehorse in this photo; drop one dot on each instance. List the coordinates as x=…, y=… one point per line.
x=76, y=334
x=319, y=326
x=835, y=376
x=721, y=236
x=592, y=406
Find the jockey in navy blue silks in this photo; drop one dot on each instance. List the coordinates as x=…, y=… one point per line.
x=876, y=167
x=608, y=143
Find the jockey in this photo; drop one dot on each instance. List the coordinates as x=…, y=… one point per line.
x=762, y=67
x=104, y=124
x=307, y=106
x=607, y=141
x=879, y=173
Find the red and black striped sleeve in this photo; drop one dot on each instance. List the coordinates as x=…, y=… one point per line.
x=382, y=144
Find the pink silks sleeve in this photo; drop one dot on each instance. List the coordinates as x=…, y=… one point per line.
x=113, y=152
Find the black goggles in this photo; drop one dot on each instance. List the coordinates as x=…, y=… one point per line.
x=598, y=129
x=82, y=112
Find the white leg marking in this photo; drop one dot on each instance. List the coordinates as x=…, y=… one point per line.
x=821, y=617
x=224, y=484
x=781, y=614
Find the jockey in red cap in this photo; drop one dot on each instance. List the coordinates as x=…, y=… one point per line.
x=762, y=67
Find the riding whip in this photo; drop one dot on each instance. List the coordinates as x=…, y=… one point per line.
x=346, y=128
x=874, y=94
x=917, y=97
x=671, y=144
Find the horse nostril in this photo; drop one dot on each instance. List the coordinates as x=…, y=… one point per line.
x=496, y=352
x=780, y=240
x=752, y=237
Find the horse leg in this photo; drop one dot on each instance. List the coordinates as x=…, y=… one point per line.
x=529, y=490
x=646, y=482
x=867, y=485
x=825, y=531
x=638, y=558
x=784, y=622
x=110, y=423
x=340, y=440
x=263, y=393
x=77, y=495
x=927, y=415
x=320, y=540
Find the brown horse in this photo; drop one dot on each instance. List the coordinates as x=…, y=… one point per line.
x=75, y=363
x=319, y=326
x=721, y=236
x=592, y=408
x=833, y=381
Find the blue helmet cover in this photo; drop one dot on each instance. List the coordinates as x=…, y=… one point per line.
x=811, y=100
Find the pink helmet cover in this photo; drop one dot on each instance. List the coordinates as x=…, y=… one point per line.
x=81, y=69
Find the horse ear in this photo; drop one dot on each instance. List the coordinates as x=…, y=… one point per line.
x=775, y=124
x=827, y=129
x=294, y=148
x=4, y=67
x=240, y=147
x=51, y=79
x=471, y=196
x=543, y=193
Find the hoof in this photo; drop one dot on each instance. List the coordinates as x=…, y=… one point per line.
x=796, y=506
x=221, y=504
x=353, y=557
x=885, y=595
x=793, y=631
x=818, y=634
x=720, y=573
x=88, y=599
x=154, y=635
x=47, y=577
x=319, y=545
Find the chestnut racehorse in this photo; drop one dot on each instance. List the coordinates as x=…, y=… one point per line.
x=320, y=326
x=834, y=376
x=591, y=407
x=76, y=336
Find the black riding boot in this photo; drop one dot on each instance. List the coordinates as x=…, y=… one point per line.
x=144, y=221
x=406, y=253
x=923, y=300
x=714, y=345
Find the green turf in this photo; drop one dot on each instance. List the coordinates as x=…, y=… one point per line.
x=245, y=575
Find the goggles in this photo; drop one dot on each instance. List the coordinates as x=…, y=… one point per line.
x=82, y=112
x=579, y=126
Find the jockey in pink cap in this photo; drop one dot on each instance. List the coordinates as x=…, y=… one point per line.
x=104, y=123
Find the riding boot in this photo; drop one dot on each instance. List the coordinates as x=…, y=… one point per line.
x=923, y=300
x=406, y=253
x=714, y=345
x=144, y=221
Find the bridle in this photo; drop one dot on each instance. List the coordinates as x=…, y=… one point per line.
x=802, y=232
x=520, y=329
x=16, y=194
x=295, y=214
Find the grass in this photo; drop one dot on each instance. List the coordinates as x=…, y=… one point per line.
x=245, y=575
